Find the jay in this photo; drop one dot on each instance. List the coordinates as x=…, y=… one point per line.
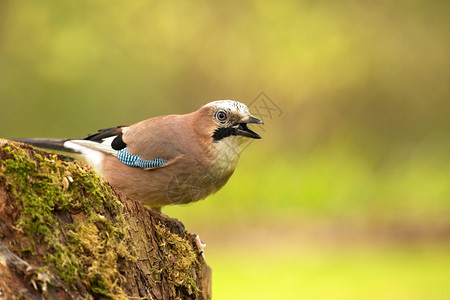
x=166, y=160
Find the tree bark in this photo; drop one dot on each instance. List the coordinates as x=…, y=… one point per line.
x=66, y=234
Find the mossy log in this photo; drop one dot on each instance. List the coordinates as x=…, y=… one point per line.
x=66, y=234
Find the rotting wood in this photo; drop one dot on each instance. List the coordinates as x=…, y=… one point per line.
x=66, y=234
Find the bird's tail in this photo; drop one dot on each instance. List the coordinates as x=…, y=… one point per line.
x=53, y=144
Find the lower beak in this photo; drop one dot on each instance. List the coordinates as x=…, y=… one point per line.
x=243, y=130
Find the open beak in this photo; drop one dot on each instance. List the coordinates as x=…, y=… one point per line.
x=243, y=130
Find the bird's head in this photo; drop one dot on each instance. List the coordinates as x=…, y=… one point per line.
x=228, y=120
x=223, y=128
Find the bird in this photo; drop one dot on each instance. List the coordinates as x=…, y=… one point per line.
x=166, y=160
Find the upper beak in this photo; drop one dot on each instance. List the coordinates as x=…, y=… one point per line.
x=255, y=120
x=243, y=130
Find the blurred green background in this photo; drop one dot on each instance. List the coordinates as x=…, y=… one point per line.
x=347, y=196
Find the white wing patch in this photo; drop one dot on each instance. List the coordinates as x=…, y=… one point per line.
x=92, y=152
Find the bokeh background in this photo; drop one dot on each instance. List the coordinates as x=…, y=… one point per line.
x=347, y=196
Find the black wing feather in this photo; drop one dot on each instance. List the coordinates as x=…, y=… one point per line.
x=104, y=133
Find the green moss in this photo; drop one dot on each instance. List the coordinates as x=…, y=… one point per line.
x=178, y=259
x=47, y=188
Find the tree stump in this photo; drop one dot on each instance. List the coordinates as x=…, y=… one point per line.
x=66, y=234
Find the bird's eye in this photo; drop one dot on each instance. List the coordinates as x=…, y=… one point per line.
x=221, y=116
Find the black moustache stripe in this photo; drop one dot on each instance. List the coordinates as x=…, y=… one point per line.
x=221, y=133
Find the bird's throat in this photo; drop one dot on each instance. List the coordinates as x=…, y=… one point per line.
x=227, y=153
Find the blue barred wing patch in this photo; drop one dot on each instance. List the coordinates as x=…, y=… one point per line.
x=136, y=161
